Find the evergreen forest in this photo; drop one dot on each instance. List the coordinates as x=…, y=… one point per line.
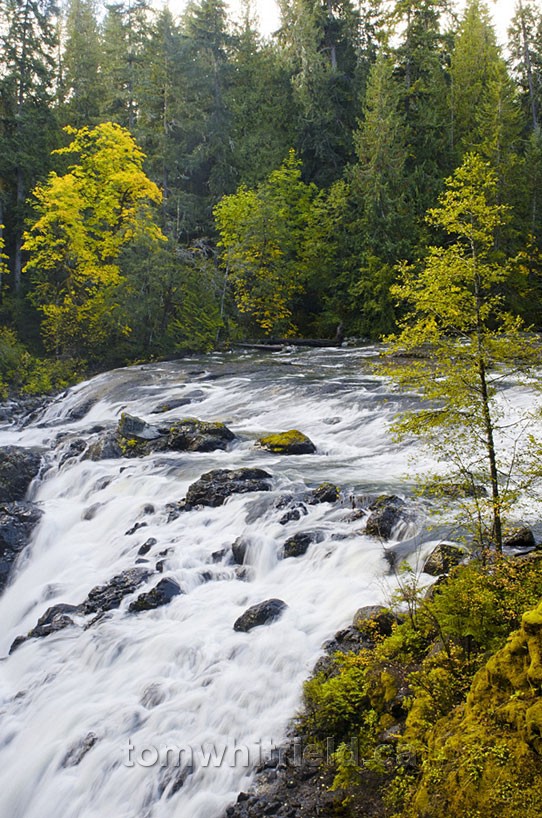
x=180, y=184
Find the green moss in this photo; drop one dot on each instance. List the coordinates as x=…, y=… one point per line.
x=290, y=442
x=483, y=758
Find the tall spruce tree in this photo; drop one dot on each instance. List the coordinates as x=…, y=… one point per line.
x=28, y=42
x=320, y=40
x=525, y=47
x=125, y=31
x=82, y=87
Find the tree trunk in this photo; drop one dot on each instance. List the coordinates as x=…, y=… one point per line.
x=488, y=426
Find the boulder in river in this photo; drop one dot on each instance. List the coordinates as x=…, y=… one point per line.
x=54, y=619
x=324, y=493
x=290, y=442
x=192, y=435
x=443, y=558
x=132, y=427
x=387, y=513
x=214, y=487
x=17, y=521
x=134, y=437
x=105, y=448
x=169, y=405
x=520, y=538
x=261, y=614
x=298, y=545
x=160, y=595
x=239, y=550
x=18, y=467
x=109, y=596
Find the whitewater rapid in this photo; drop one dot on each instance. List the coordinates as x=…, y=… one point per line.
x=180, y=676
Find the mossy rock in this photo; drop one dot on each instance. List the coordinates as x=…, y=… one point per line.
x=290, y=442
x=193, y=435
x=483, y=759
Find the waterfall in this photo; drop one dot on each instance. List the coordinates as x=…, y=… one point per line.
x=88, y=713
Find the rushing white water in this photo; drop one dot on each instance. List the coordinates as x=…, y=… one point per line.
x=180, y=676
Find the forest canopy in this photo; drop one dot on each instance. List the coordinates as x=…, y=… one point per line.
x=250, y=187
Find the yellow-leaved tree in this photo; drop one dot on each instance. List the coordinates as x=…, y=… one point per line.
x=472, y=346
x=85, y=218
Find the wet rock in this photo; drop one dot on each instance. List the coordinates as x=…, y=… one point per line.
x=520, y=538
x=298, y=511
x=17, y=521
x=387, y=513
x=78, y=751
x=218, y=556
x=131, y=427
x=214, y=487
x=192, y=435
x=106, y=448
x=135, y=528
x=239, y=550
x=443, y=558
x=53, y=620
x=261, y=614
x=75, y=448
x=146, y=547
x=109, y=596
x=168, y=406
x=160, y=595
x=18, y=467
x=79, y=412
x=290, y=442
x=373, y=619
x=324, y=493
x=297, y=545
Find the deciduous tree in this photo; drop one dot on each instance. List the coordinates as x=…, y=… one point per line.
x=455, y=311
x=84, y=220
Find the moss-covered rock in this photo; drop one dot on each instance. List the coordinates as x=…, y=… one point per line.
x=484, y=758
x=192, y=435
x=290, y=442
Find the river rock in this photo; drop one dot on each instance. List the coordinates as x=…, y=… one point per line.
x=214, y=487
x=324, y=493
x=18, y=467
x=160, y=595
x=132, y=427
x=239, y=550
x=290, y=442
x=192, y=435
x=53, y=620
x=374, y=619
x=78, y=751
x=261, y=614
x=17, y=521
x=105, y=448
x=168, y=406
x=297, y=545
x=109, y=596
x=443, y=558
x=387, y=513
x=520, y=538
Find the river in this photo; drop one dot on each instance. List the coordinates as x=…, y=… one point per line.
x=180, y=676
